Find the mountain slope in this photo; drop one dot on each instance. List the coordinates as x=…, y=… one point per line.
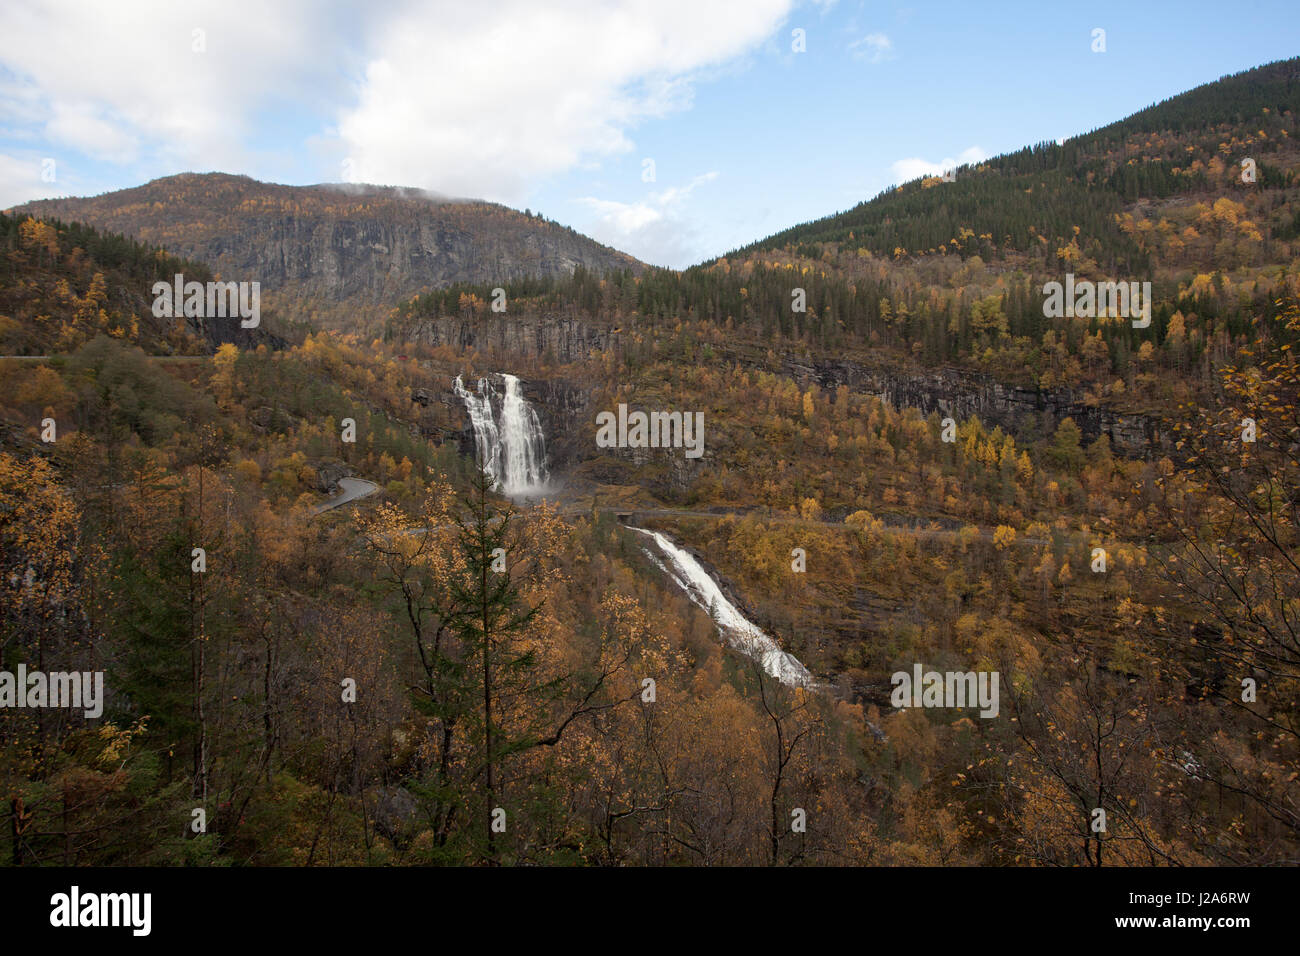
x=1019, y=200
x=63, y=285
x=358, y=248
x=934, y=293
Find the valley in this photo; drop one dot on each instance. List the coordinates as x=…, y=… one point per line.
x=483, y=521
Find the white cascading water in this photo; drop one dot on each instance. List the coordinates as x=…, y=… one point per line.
x=523, y=446
x=742, y=633
x=512, y=449
x=508, y=439
x=487, y=442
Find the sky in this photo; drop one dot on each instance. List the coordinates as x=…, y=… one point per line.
x=675, y=130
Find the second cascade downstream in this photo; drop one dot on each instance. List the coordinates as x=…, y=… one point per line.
x=739, y=631
x=510, y=446
x=507, y=438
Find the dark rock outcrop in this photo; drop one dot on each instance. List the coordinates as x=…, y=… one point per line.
x=328, y=474
x=553, y=339
x=1024, y=412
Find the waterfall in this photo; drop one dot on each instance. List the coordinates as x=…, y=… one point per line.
x=743, y=634
x=507, y=436
x=523, y=447
x=487, y=442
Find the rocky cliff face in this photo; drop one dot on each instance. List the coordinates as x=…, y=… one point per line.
x=365, y=245
x=563, y=407
x=1025, y=413
x=381, y=261
x=961, y=393
x=567, y=411
x=552, y=338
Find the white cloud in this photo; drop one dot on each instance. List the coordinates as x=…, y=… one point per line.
x=874, y=47
x=20, y=180
x=121, y=82
x=475, y=101
x=488, y=100
x=485, y=100
x=915, y=167
x=652, y=229
x=86, y=128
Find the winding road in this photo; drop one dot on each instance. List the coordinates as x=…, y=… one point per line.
x=352, y=489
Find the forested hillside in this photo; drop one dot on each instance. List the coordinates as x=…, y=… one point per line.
x=62, y=285
x=1048, y=194
x=435, y=674
x=335, y=254
x=937, y=272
